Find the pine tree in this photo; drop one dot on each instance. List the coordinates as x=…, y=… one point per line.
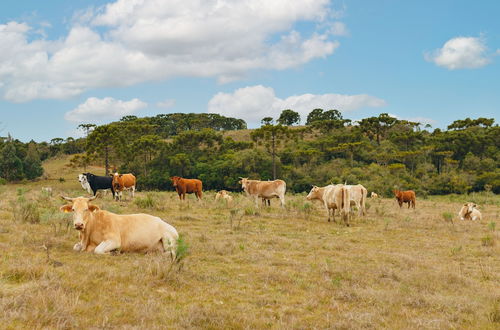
x=11, y=167
x=32, y=163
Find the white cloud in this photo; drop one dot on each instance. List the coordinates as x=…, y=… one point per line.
x=133, y=41
x=256, y=102
x=460, y=53
x=166, y=104
x=339, y=29
x=95, y=110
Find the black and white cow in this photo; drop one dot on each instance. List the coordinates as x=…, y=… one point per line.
x=97, y=182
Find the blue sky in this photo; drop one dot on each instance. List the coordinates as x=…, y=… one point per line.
x=69, y=62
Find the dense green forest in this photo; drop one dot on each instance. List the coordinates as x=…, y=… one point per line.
x=381, y=152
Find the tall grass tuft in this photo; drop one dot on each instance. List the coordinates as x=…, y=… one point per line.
x=182, y=250
x=27, y=212
x=306, y=209
x=447, y=216
x=147, y=202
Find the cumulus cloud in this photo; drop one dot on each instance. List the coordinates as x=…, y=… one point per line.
x=133, y=41
x=95, y=110
x=460, y=53
x=256, y=102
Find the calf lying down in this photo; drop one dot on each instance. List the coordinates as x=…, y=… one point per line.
x=469, y=211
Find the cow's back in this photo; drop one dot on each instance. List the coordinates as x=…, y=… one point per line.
x=269, y=189
x=137, y=232
x=128, y=180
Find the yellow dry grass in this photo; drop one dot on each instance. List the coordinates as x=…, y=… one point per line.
x=253, y=267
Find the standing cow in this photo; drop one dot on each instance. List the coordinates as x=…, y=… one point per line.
x=358, y=195
x=189, y=186
x=333, y=197
x=102, y=231
x=97, y=182
x=407, y=196
x=264, y=190
x=123, y=182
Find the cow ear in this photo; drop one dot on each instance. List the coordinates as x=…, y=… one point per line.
x=66, y=208
x=93, y=208
x=465, y=204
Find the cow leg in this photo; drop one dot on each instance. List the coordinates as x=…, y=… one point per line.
x=106, y=246
x=282, y=201
x=132, y=191
x=169, y=245
x=78, y=246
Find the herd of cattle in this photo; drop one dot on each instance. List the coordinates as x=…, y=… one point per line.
x=102, y=231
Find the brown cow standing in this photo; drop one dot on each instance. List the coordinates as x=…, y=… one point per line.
x=123, y=182
x=183, y=186
x=407, y=196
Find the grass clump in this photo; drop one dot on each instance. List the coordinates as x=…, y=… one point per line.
x=447, y=216
x=488, y=240
x=26, y=212
x=147, y=202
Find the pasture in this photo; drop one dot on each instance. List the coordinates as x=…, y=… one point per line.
x=252, y=267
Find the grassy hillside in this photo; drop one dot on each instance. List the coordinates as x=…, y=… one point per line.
x=251, y=268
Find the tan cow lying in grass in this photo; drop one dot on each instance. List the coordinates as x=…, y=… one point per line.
x=333, y=197
x=374, y=195
x=223, y=194
x=469, y=212
x=102, y=231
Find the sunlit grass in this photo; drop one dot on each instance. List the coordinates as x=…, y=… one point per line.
x=240, y=266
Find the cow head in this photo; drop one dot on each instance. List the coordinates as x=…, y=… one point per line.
x=470, y=207
x=314, y=193
x=81, y=209
x=243, y=182
x=175, y=180
x=82, y=178
x=116, y=180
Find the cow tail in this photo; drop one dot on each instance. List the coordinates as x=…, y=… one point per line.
x=363, y=200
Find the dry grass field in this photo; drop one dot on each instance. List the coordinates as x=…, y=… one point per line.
x=251, y=268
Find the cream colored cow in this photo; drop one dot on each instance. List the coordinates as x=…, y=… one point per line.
x=333, y=197
x=223, y=194
x=102, y=231
x=264, y=189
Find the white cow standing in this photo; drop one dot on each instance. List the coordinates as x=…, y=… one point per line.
x=358, y=195
x=333, y=197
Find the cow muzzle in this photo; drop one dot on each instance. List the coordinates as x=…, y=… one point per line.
x=79, y=226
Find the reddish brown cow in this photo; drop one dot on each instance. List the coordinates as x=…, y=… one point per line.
x=407, y=196
x=189, y=186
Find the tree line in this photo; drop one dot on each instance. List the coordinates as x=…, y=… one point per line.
x=381, y=152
